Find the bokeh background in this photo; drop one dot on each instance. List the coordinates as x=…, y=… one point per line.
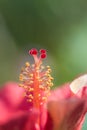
x=59, y=26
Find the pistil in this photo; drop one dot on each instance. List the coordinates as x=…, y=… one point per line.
x=37, y=81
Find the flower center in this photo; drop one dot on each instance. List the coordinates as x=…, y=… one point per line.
x=36, y=79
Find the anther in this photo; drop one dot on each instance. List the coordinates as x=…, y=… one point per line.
x=27, y=64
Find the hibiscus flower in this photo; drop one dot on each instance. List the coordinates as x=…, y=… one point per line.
x=63, y=108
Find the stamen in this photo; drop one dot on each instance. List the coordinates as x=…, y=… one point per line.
x=36, y=79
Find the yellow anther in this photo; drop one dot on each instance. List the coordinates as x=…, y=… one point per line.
x=37, y=68
x=40, y=80
x=39, y=95
x=48, y=83
x=37, y=77
x=21, y=85
x=44, y=98
x=37, y=71
x=29, y=100
x=31, y=89
x=21, y=78
x=48, y=88
x=51, y=78
x=31, y=82
x=40, y=86
x=25, y=87
x=48, y=66
x=46, y=73
x=49, y=70
x=30, y=96
x=21, y=75
x=27, y=64
x=42, y=67
x=51, y=84
x=31, y=75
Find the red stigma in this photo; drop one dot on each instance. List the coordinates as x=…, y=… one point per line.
x=33, y=51
x=38, y=58
x=42, y=51
x=43, y=55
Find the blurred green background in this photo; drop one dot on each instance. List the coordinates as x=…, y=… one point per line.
x=59, y=26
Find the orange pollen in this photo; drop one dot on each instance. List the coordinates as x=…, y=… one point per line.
x=36, y=79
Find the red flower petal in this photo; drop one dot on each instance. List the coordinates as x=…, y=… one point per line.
x=60, y=93
x=65, y=114
x=12, y=94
